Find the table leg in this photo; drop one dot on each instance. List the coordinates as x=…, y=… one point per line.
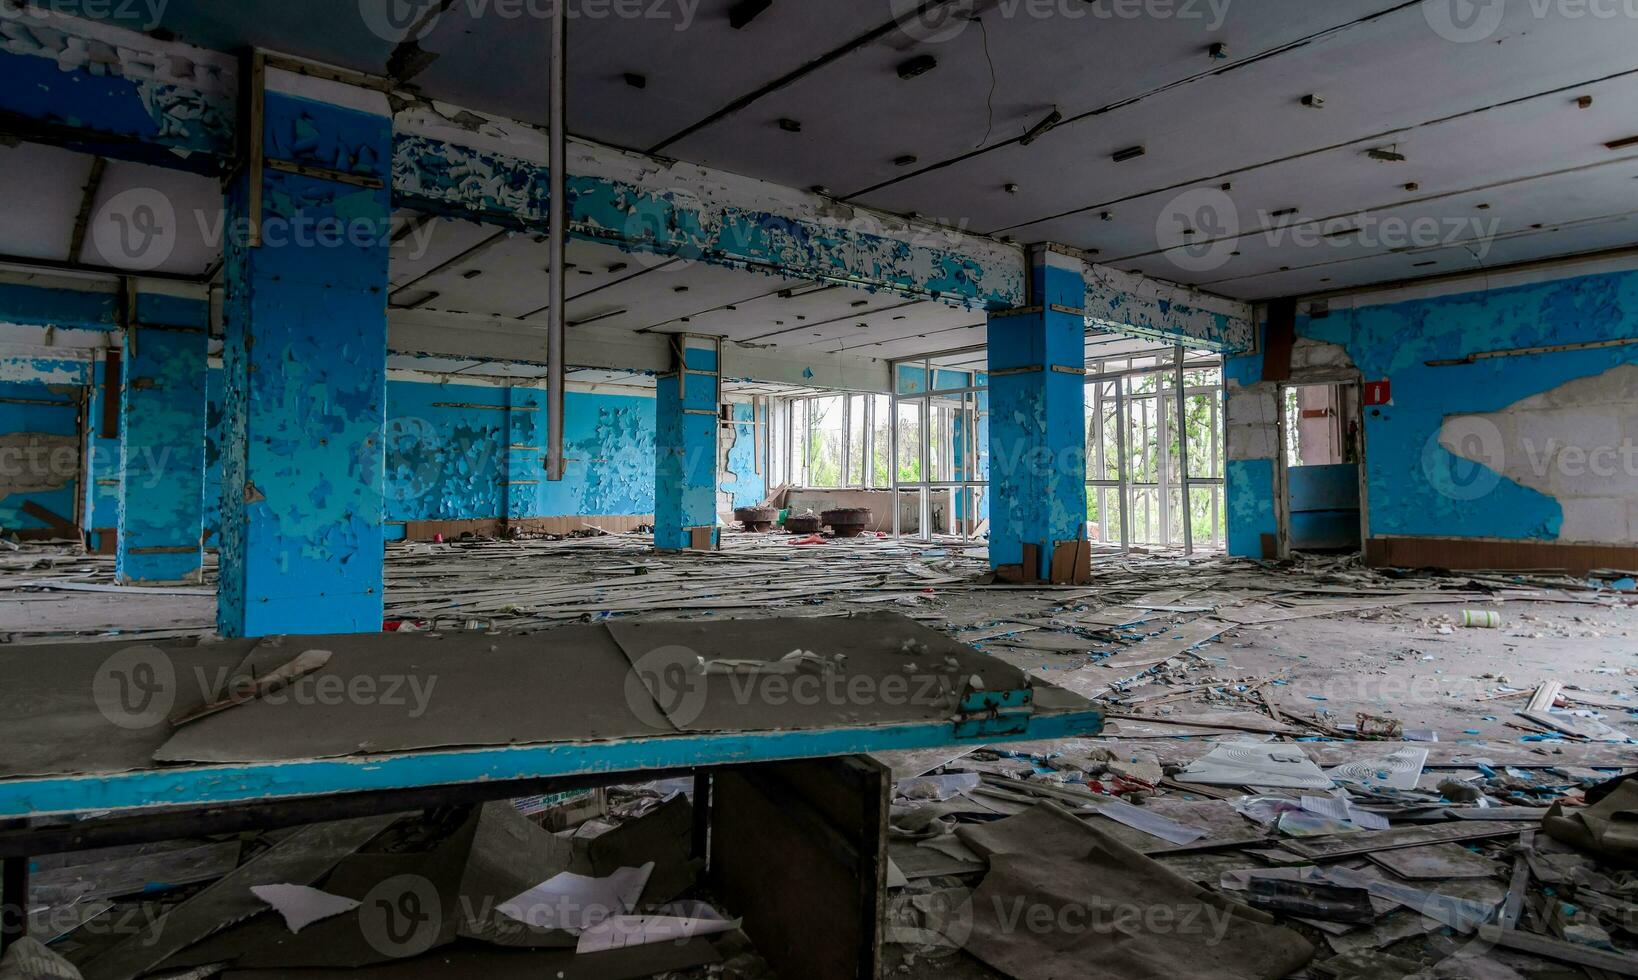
x=13, y=900
x=702, y=813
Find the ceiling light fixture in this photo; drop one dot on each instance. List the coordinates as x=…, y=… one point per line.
x=742, y=13
x=1622, y=144
x=1313, y=101
x=1389, y=154
x=919, y=65
x=594, y=319
x=905, y=160
x=636, y=80
x=1130, y=153
x=1039, y=129
x=790, y=125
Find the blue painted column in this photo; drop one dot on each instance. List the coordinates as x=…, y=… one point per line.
x=1037, y=427
x=304, y=363
x=685, y=471
x=162, y=442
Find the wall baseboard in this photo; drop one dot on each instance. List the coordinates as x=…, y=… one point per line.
x=1484, y=553
x=493, y=526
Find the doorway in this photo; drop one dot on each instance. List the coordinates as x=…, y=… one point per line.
x=1321, y=453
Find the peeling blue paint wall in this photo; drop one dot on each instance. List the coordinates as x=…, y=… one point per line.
x=162, y=436
x=39, y=453
x=459, y=452
x=740, y=479
x=1415, y=486
x=46, y=306
x=129, y=97
x=1037, y=418
x=102, y=478
x=685, y=492
x=215, y=402
x=305, y=408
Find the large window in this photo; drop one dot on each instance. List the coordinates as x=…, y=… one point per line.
x=1136, y=449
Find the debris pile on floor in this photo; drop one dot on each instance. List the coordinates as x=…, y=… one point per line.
x=1233, y=821
x=470, y=891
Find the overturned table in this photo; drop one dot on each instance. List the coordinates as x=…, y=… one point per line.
x=104, y=744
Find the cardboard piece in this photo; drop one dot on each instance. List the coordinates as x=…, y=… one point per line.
x=427, y=691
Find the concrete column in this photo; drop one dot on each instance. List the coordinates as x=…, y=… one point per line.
x=162, y=445
x=685, y=471
x=305, y=367
x=1037, y=415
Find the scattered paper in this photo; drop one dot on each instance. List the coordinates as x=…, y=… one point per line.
x=1242, y=764
x=1400, y=769
x=677, y=922
x=575, y=903
x=939, y=788
x=1339, y=808
x=301, y=905
x=1148, y=821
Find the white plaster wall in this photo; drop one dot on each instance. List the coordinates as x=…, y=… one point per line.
x=1577, y=443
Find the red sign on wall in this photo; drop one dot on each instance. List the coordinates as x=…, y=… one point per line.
x=1378, y=392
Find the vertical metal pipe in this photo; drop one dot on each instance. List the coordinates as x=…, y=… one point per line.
x=1120, y=469
x=557, y=219
x=1183, y=456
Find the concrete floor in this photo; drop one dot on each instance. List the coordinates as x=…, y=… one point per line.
x=1414, y=663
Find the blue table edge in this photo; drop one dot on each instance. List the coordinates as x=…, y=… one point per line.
x=106, y=794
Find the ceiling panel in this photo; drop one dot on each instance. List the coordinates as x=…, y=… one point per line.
x=40, y=191
x=1499, y=148
x=995, y=79
x=693, y=61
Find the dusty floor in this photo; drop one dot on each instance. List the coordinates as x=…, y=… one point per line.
x=1299, y=652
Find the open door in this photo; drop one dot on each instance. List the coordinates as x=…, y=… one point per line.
x=1322, y=452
